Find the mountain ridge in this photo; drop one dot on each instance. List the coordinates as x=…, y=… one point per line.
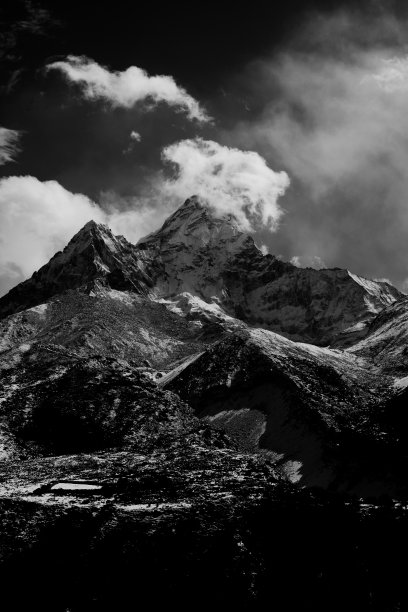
x=197, y=255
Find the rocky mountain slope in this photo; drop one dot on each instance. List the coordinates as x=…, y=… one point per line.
x=93, y=253
x=321, y=413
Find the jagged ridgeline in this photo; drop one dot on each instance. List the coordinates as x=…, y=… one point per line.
x=164, y=405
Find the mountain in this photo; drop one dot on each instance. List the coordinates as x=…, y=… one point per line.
x=198, y=310
x=92, y=254
x=188, y=410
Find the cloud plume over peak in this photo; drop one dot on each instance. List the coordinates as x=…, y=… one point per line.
x=230, y=180
x=129, y=87
x=38, y=218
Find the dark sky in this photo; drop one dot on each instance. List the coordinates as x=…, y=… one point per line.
x=199, y=43
x=202, y=45
x=229, y=58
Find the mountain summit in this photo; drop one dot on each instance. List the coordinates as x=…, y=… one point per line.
x=195, y=224
x=93, y=254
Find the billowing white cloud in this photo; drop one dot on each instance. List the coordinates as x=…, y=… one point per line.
x=9, y=145
x=36, y=220
x=129, y=87
x=230, y=180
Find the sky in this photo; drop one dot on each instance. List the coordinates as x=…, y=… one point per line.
x=290, y=115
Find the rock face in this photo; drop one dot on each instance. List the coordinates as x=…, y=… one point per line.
x=386, y=341
x=94, y=253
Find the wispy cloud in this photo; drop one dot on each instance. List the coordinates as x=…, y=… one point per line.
x=303, y=261
x=334, y=116
x=128, y=87
x=135, y=136
x=9, y=145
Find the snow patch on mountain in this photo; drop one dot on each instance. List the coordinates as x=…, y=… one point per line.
x=187, y=305
x=401, y=383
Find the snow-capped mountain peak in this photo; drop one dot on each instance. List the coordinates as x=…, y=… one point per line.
x=96, y=235
x=195, y=224
x=94, y=253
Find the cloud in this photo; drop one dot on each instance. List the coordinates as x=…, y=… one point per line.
x=392, y=75
x=129, y=87
x=333, y=114
x=9, y=145
x=135, y=136
x=230, y=180
x=336, y=119
x=303, y=261
x=10, y=275
x=404, y=286
x=136, y=216
x=36, y=220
